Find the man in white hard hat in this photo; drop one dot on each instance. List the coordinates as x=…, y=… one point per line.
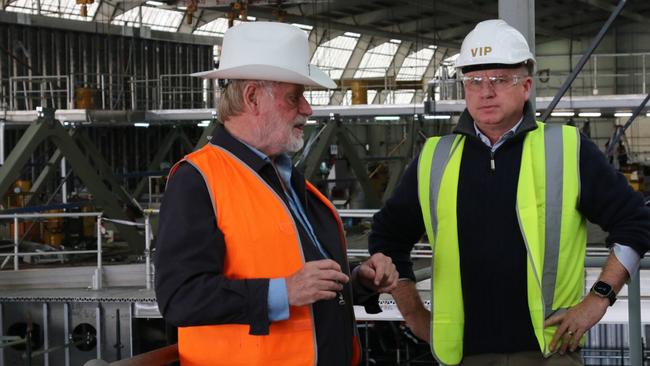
x=503, y=201
x=251, y=263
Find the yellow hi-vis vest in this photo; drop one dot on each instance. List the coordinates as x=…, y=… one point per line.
x=553, y=229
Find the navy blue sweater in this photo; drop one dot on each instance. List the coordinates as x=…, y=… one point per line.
x=492, y=251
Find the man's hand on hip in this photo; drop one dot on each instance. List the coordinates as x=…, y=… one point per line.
x=575, y=322
x=378, y=273
x=315, y=281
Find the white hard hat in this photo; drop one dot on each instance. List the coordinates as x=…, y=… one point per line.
x=267, y=51
x=494, y=42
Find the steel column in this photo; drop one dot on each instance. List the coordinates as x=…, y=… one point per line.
x=520, y=14
x=634, y=321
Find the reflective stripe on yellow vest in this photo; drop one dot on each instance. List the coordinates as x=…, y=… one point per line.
x=261, y=241
x=553, y=229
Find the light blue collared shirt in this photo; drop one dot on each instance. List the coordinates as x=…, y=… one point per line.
x=501, y=140
x=277, y=299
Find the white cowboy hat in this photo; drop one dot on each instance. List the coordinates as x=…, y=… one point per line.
x=267, y=51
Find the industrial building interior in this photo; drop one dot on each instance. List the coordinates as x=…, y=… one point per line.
x=97, y=103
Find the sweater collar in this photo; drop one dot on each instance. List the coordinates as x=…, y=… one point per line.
x=465, y=124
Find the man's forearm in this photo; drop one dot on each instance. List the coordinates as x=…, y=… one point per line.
x=407, y=298
x=614, y=273
x=409, y=303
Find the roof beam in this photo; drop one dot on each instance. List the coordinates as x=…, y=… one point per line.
x=206, y=16
x=413, y=26
x=318, y=8
x=104, y=12
x=184, y=27
x=94, y=27
x=320, y=21
x=126, y=6
x=482, y=13
x=603, y=5
x=318, y=36
x=384, y=13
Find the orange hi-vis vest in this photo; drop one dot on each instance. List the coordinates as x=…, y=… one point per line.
x=262, y=241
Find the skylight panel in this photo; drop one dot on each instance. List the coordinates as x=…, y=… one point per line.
x=415, y=65
x=375, y=62
x=333, y=55
x=318, y=97
x=214, y=28
x=158, y=19
x=67, y=9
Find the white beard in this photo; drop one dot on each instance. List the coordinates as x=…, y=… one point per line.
x=280, y=135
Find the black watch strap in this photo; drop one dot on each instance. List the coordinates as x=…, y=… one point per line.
x=605, y=290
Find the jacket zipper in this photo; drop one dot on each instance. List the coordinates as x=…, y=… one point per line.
x=492, y=165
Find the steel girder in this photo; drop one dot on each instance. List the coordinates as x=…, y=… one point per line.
x=47, y=128
x=165, y=146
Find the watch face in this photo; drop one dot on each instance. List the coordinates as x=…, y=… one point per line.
x=602, y=288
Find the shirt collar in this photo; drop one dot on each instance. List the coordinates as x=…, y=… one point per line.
x=501, y=140
x=282, y=162
x=222, y=138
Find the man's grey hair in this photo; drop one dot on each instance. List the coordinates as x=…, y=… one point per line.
x=231, y=102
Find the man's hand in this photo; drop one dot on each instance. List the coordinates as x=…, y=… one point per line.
x=575, y=322
x=378, y=273
x=416, y=316
x=315, y=281
x=579, y=319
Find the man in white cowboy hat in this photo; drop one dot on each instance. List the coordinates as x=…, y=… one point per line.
x=503, y=201
x=251, y=263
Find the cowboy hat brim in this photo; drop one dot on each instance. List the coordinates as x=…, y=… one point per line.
x=272, y=73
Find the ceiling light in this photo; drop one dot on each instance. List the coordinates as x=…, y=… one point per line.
x=589, y=114
x=537, y=114
x=623, y=114
x=204, y=123
x=387, y=118
x=154, y=3
x=141, y=124
x=438, y=116
x=311, y=122
x=563, y=114
x=352, y=34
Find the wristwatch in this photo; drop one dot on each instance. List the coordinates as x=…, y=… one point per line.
x=603, y=289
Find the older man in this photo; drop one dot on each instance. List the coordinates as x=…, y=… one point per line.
x=251, y=262
x=503, y=201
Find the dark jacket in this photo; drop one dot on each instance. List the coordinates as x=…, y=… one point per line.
x=492, y=250
x=190, y=251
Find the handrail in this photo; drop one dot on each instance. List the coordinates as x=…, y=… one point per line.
x=157, y=357
x=97, y=277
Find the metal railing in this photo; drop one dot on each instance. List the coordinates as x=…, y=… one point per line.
x=97, y=277
x=158, y=357
x=28, y=92
x=179, y=91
